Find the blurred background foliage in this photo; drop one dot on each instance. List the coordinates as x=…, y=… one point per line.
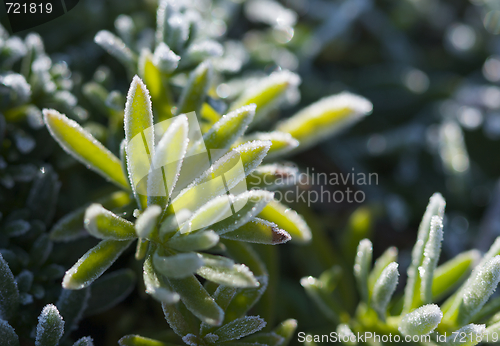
x=431, y=68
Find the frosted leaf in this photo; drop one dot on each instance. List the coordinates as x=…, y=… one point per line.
x=19, y=89
x=282, y=142
x=85, y=341
x=71, y=305
x=8, y=334
x=16, y=228
x=239, y=328
x=196, y=241
x=346, y=335
x=9, y=294
x=162, y=14
x=155, y=286
x=270, y=12
x=125, y=27
x=211, y=338
x=421, y=321
x=65, y=99
x=50, y=327
x=178, y=266
x=432, y=252
x=167, y=161
x=213, y=211
x=473, y=335
x=146, y=222
x=478, y=289
x=259, y=231
x=384, y=289
x=94, y=263
x=178, y=32
x=84, y=147
x=104, y=224
x=137, y=340
x=273, y=176
x=195, y=91
x=435, y=207
x=224, y=272
x=23, y=172
x=389, y=255
x=24, y=280
x=165, y=59
x=139, y=135
x=267, y=93
x=34, y=43
x=117, y=48
x=199, y=51
x=288, y=220
x=362, y=266
x=325, y=117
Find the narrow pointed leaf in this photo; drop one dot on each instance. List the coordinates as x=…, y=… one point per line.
x=390, y=255
x=178, y=266
x=432, y=252
x=145, y=225
x=117, y=48
x=325, y=118
x=469, y=335
x=225, y=272
x=286, y=329
x=384, y=289
x=346, y=335
x=50, y=327
x=180, y=319
x=421, y=321
x=197, y=300
x=137, y=340
x=195, y=91
x=323, y=299
x=9, y=294
x=239, y=328
x=288, y=220
x=282, y=142
x=84, y=147
x=95, y=262
x=213, y=211
x=223, y=295
x=197, y=241
x=8, y=334
x=103, y=224
x=155, y=285
x=362, y=267
x=259, y=231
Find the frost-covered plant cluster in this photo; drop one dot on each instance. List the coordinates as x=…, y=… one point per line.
x=463, y=286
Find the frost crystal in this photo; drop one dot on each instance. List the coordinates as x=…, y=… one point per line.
x=50, y=327
x=421, y=321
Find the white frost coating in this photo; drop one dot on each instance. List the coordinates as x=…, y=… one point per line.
x=114, y=46
x=211, y=338
x=165, y=59
x=146, y=222
x=50, y=116
x=421, y=321
x=299, y=230
x=240, y=328
x=326, y=117
x=7, y=334
x=205, y=68
x=259, y=147
x=282, y=142
x=478, y=289
x=167, y=159
x=270, y=12
x=384, y=289
x=138, y=121
x=85, y=341
x=474, y=334
x=432, y=252
x=362, y=266
x=435, y=207
x=213, y=211
x=9, y=293
x=224, y=271
x=194, y=242
x=50, y=326
x=96, y=216
x=178, y=266
x=19, y=85
x=179, y=31
x=202, y=50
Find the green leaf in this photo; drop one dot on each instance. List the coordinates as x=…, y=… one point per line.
x=70, y=226
x=178, y=266
x=390, y=255
x=8, y=334
x=16, y=228
x=412, y=290
x=432, y=252
x=50, y=327
x=288, y=220
x=118, y=49
x=259, y=231
x=362, y=266
x=270, y=339
x=267, y=93
x=72, y=305
x=196, y=89
x=167, y=161
x=469, y=335
x=196, y=241
x=224, y=271
x=9, y=295
x=245, y=299
x=84, y=147
x=421, y=321
x=254, y=201
x=197, y=300
x=325, y=117
x=155, y=285
x=223, y=295
x=180, y=319
x=384, y=289
x=213, y=211
x=103, y=224
x=239, y=328
x=274, y=176
x=229, y=128
x=286, y=329
x=322, y=298
x=282, y=142
x=139, y=135
x=137, y=340
x=165, y=59
x=85, y=341
x=145, y=225
x=109, y=290
x=95, y=262
x=40, y=251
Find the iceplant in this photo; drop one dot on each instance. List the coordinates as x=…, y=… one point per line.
x=466, y=317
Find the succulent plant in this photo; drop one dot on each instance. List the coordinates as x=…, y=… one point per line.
x=466, y=317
